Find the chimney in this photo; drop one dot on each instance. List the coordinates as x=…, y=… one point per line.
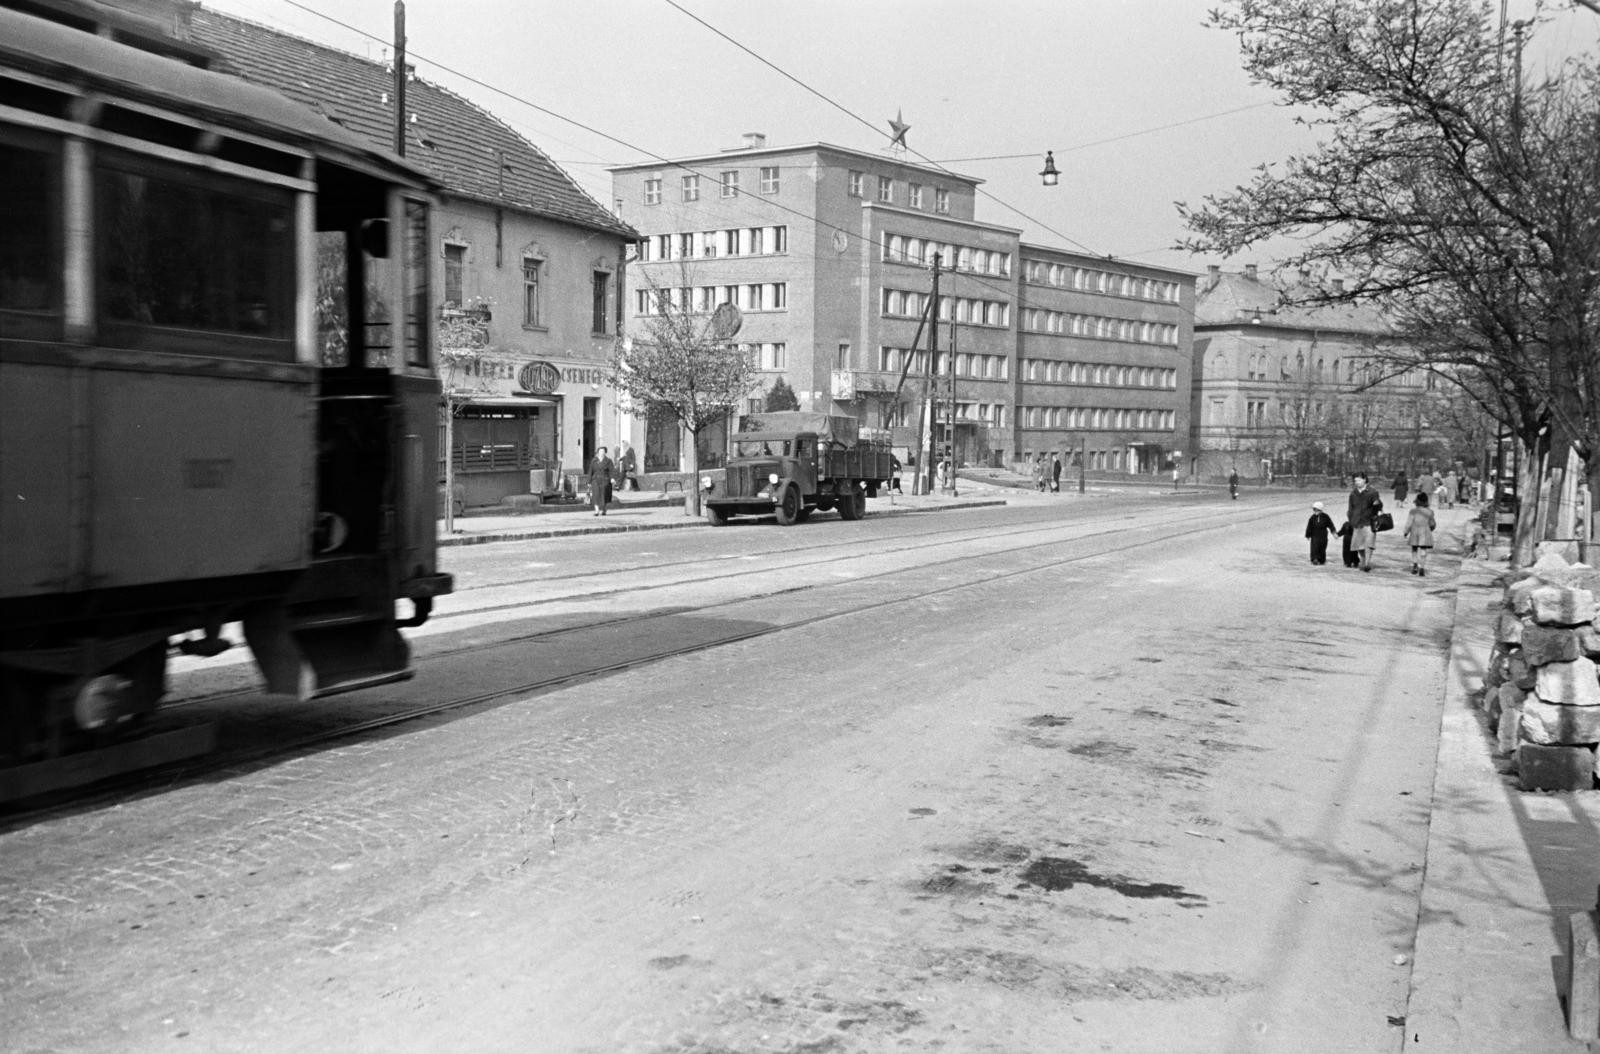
x=1250, y=271
x=1338, y=285
x=1213, y=275
x=755, y=140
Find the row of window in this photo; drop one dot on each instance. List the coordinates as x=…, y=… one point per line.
x=916, y=195
x=756, y=296
x=898, y=248
x=1094, y=281
x=1099, y=373
x=767, y=356
x=1365, y=370
x=1038, y=320
x=727, y=185
x=901, y=303
x=709, y=245
x=978, y=367
x=1102, y=417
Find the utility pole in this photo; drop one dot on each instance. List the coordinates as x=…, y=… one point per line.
x=953, y=491
x=400, y=77
x=927, y=381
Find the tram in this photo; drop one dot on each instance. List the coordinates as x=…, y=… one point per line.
x=194, y=431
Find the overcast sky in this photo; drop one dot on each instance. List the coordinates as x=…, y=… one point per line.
x=1141, y=103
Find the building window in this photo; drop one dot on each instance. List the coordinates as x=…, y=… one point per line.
x=691, y=188
x=886, y=190
x=652, y=191
x=530, y=292
x=602, y=302
x=774, y=356
x=730, y=184
x=769, y=180
x=941, y=200
x=914, y=194
x=780, y=239
x=856, y=181
x=454, y=263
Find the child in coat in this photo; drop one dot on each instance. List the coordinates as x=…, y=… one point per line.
x=1420, y=525
x=1317, y=529
x=1351, y=559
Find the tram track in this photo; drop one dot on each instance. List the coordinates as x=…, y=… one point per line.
x=247, y=751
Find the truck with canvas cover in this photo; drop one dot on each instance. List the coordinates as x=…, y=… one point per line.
x=789, y=463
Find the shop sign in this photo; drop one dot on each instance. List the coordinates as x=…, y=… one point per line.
x=539, y=377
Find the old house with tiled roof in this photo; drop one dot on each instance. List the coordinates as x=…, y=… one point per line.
x=1283, y=387
x=532, y=262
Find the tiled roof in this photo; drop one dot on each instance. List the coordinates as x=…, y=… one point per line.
x=1227, y=299
x=469, y=150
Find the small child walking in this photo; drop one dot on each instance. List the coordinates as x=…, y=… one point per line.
x=1317, y=529
x=1420, y=525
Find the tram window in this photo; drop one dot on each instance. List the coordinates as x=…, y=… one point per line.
x=193, y=254
x=27, y=223
x=418, y=294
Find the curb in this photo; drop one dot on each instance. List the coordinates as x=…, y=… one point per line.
x=518, y=534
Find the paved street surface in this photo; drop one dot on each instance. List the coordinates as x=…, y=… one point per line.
x=1116, y=772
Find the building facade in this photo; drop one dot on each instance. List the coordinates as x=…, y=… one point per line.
x=829, y=253
x=1282, y=389
x=533, y=269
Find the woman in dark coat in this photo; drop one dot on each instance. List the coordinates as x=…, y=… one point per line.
x=600, y=470
x=1400, y=489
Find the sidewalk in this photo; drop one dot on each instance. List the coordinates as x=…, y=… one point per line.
x=653, y=511
x=1504, y=869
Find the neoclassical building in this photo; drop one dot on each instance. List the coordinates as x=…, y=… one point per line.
x=1281, y=389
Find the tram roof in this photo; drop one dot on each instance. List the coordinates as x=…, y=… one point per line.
x=88, y=62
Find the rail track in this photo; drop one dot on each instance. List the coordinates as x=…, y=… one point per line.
x=267, y=730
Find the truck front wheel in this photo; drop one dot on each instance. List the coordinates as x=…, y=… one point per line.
x=716, y=517
x=788, y=509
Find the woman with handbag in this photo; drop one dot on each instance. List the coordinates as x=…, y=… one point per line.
x=1365, y=506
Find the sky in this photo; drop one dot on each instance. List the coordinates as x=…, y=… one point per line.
x=1141, y=102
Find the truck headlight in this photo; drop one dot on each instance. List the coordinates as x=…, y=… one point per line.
x=705, y=482
x=772, y=477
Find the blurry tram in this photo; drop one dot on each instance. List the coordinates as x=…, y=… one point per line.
x=175, y=453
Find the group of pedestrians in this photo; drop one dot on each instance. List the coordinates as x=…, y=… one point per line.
x=1046, y=474
x=1365, y=520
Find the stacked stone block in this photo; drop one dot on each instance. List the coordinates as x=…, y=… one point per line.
x=1542, y=687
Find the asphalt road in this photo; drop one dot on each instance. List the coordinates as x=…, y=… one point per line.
x=1122, y=775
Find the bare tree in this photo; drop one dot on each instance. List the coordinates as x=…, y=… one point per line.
x=686, y=365
x=1460, y=201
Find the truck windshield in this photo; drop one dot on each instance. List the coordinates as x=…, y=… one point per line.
x=761, y=448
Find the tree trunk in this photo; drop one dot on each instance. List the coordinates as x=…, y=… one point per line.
x=1530, y=473
x=692, y=504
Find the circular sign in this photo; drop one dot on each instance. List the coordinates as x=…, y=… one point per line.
x=726, y=320
x=539, y=377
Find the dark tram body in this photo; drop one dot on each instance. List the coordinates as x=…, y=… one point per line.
x=193, y=430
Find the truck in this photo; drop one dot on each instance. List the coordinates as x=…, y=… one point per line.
x=789, y=463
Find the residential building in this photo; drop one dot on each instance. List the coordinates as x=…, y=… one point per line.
x=829, y=254
x=1282, y=388
x=532, y=264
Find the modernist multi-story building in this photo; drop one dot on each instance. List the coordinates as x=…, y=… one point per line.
x=1282, y=388
x=829, y=254
x=536, y=265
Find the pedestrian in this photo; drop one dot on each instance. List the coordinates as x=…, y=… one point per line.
x=1038, y=472
x=1401, y=488
x=627, y=468
x=1317, y=529
x=1452, y=488
x=894, y=474
x=1233, y=484
x=1419, y=535
x=1364, y=507
x=1440, y=495
x=1055, y=473
x=1350, y=559
x=600, y=469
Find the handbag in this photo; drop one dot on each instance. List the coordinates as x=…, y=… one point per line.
x=1384, y=522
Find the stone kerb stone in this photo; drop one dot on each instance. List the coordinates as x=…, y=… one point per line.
x=1541, y=688
x=1555, y=606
